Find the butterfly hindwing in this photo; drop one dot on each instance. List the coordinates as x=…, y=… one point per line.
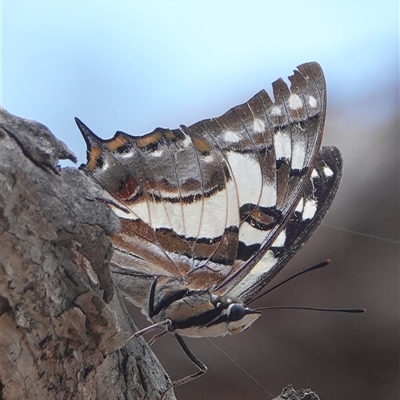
x=312, y=207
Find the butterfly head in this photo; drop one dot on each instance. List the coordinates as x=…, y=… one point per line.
x=239, y=318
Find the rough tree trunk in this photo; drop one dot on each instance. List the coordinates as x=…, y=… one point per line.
x=62, y=327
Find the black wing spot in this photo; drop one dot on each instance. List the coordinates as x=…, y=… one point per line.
x=247, y=251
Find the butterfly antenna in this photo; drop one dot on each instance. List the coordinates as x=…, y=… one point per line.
x=313, y=268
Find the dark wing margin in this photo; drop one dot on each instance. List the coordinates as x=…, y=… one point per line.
x=308, y=215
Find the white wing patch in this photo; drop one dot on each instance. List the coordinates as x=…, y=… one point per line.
x=105, y=166
x=258, y=125
x=268, y=195
x=128, y=154
x=295, y=102
x=139, y=211
x=231, y=137
x=282, y=145
x=312, y=102
x=203, y=218
x=187, y=141
x=250, y=235
x=310, y=208
x=298, y=154
x=300, y=206
x=192, y=217
x=157, y=153
x=328, y=172
x=213, y=221
x=244, y=167
x=314, y=174
x=276, y=111
x=280, y=240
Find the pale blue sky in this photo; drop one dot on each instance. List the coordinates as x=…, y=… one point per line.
x=136, y=65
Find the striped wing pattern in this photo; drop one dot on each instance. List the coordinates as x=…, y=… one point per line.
x=309, y=213
x=223, y=203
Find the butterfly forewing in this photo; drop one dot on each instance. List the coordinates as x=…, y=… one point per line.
x=208, y=201
x=181, y=202
x=292, y=132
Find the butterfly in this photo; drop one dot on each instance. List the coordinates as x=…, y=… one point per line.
x=210, y=213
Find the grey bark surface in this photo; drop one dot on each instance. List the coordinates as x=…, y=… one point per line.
x=289, y=393
x=61, y=324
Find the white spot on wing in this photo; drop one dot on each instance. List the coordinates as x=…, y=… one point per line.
x=250, y=235
x=328, y=172
x=258, y=125
x=310, y=208
x=129, y=154
x=282, y=145
x=247, y=174
x=187, y=141
x=300, y=205
x=298, y=154
x=220, y=211
x=157, y=153
x=231, y=137
x=105, y=166
x=139, y=211
x=312, y=101
x=280, y=240
x=314, y=174
x=295, y=102
x=209, y=158
x=276, y=111
x=268, y=195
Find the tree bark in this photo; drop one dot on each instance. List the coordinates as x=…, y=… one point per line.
x=289, y=393
x=61, y=326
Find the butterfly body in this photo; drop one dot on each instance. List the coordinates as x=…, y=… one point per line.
x=210, y=213
x=192, y=312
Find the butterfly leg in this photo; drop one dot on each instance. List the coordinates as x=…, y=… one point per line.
x=199, y=364
x=156, y=337
x=150, y=328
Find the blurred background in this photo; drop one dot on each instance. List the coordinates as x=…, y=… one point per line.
x=137, y=65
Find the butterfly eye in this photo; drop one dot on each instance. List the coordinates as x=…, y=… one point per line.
x=236, y=312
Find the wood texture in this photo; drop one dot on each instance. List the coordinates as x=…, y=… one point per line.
x=289, y=393
x=61, y=324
